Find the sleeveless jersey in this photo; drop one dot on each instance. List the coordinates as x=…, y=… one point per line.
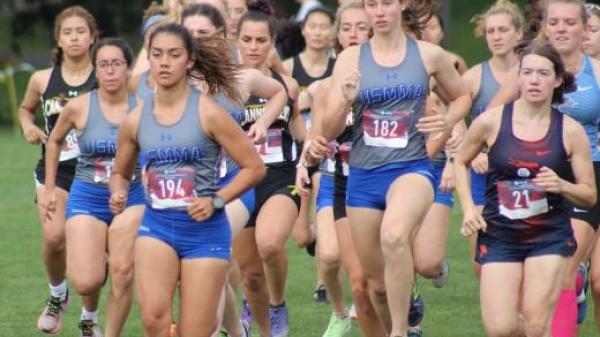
x=57, y=94
x=279, y=149
x=335, y=160
x=98, y=144
x=226, y=164
x=517, y=210
x=144, y=90
x=583, y=105
x=180, y=158
x=304, y=80
x=488, y=87
x=389, y=103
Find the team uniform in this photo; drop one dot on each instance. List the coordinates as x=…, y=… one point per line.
x=278, y=152
x=98, y=144
x=304, y=80
x=57, y=94
x=386, y=143
x=522, y=219
x=181, y=162
x=144, y=90
x=228, y=169
x=583, y=105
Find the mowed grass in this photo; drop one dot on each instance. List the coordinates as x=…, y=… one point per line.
x=450, y=312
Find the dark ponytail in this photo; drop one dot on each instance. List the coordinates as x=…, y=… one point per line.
x=263, y=6
x=546, y=50
x=213, y=62
x=417, y=14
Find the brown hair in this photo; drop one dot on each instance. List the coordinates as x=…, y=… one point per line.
x=546, y=50
x=537, y=11
x=352, y=4
x=212, y=60
x=500, y=7
x=57, y=52
x=417, y=14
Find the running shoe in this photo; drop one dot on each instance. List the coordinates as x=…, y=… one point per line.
x=415, y=332
x=245, y=328
x=441, y=280
x=246, y=312
x=417, y=307
x=352, y=312
x=279, y=321
x=338, y=327
x=89, y=328
x=223, y=333
x=582, y=285
x=320, y=294
x=50, y=321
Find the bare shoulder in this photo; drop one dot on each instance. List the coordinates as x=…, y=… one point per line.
x=291, y=84
x=288, y=64
x=490, y=118
x=39, y=80
x=471, y=78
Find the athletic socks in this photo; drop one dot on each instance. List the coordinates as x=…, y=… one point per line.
x=564, y=322
x=89, y=315
x=59, y=291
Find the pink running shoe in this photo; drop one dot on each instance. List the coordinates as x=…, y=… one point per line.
x=50, y=321
x=89, y=328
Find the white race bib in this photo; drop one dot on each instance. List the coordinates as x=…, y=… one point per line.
x=521, y=199
x=69, y=148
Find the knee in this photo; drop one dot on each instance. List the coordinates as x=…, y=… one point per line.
x=379, y=293
x=86, y=286
x=360, y=294
x=253, y=281
x=428, y=268
x=329, y=260
x=121, y=275
x=502, y=330
x=269, y=250
x=155, y=320
x=54, y=243
x=395, y=242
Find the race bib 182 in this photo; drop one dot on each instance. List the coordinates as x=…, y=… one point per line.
x=521, y=199
x=389, y=129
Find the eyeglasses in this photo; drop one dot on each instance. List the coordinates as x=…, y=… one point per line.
x=114, y=64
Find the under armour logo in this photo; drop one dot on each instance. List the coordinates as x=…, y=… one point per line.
x=165, y=137
x=73, y=93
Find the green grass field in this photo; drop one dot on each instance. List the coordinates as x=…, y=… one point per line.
x=450, y=312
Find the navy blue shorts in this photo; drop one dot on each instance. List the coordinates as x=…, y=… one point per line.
x=325, y=194
x=446, y=199
x=368, y=187
x=490, y=249
x=92, y=199
x=248, y=198
x=189, y=238
x=478, y=186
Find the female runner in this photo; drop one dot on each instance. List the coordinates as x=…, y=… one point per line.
x=91, y=229
x=75, y=32
x=389, y=153
x=184, y=235
x=276, y=205
x=524, y=233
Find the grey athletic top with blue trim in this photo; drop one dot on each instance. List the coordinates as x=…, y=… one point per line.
x=488, y=88
x=237, y=112
x=181, y=160
x=389, y=103
x=98, y=144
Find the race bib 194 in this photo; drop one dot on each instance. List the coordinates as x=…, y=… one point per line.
x=69, y=148
x=271, y=150
x=386, y=129
x=171, y=188
x=521, y=199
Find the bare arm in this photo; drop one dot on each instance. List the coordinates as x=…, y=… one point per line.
x=127, y=153
x=267, y=88
x=224, y=130
x=583, y=191
x=30, y=103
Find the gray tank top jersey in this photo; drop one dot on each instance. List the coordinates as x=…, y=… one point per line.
x=237, y=112
x=389, y=103
x=98, y=144
x=488, y=87
x=144, y=90
x=181, y=160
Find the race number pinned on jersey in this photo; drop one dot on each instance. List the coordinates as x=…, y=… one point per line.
x=171, y=188
x=271, y=151
x=222, y=165
x=521, y=199
x=386, y=129
x=69, y=148
x=344, y=151
x=329, y=160
x=103, y=169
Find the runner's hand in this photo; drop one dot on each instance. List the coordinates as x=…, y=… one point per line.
x=303, y=182
x=549, y=180
x=201, y=208
x=34, y=135
x=117, y=202
x=472, y=222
